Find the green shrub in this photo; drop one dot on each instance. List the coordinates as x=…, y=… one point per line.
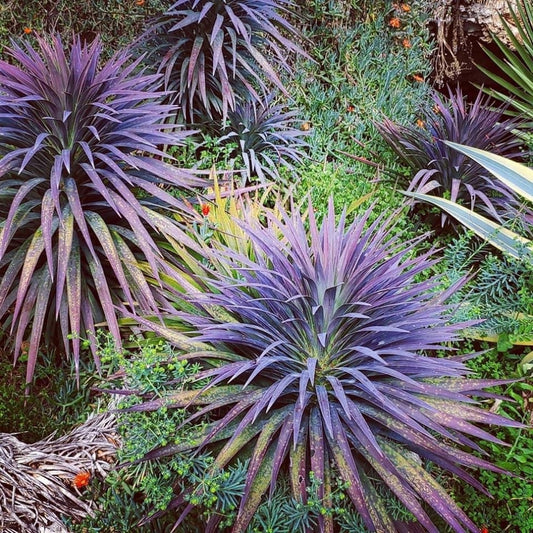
x=499, y=290
x=355, y=187
x=128, y=494
x=334, y=180
x=118, y=22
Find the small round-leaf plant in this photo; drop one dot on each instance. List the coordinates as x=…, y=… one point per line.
x=215, y=53
x=316, y=348
x=80, y=171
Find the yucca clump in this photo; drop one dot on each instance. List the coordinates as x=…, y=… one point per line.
x=216, y=53
x=80, y=203
x=319, y=356
x=447, y=173
x=267, y=138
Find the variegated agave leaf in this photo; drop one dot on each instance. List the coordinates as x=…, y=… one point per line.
x=80, y=176
x=326, y=367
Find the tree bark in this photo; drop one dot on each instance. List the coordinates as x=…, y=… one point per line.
x=461, y=27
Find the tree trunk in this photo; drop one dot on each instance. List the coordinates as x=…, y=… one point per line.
x=461, y=28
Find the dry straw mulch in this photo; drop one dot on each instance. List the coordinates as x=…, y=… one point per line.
x=37, y=480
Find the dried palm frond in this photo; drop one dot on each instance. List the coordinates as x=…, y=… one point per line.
x=37, y=480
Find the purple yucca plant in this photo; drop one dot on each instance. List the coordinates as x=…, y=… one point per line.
x=447, y=172
x=316, y=356
x=215, y=53
x=77, y=141
x=266, y=136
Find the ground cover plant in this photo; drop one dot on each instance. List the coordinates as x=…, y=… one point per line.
x=77, y=139
x=117, y=23
x=498, y=292
x=311, y=352
x=365, y=67
x=56, y=404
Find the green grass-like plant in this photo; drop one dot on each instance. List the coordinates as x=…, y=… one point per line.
x=515, y=64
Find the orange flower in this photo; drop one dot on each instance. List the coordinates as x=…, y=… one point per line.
x=406, y=43
x=350, y=108
x=306, y=126
x=418, y=78
x=25, y=347
x=420, y=123
x=139, y=2
x=405, y=7
x=27, y=30
x=205, y=210
x=394, y=22
x=81, y=479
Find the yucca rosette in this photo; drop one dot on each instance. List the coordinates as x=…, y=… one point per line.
x=80, y=181
x=267, y=138
x=320, y=356
x=215, y=53
x=446, y=173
